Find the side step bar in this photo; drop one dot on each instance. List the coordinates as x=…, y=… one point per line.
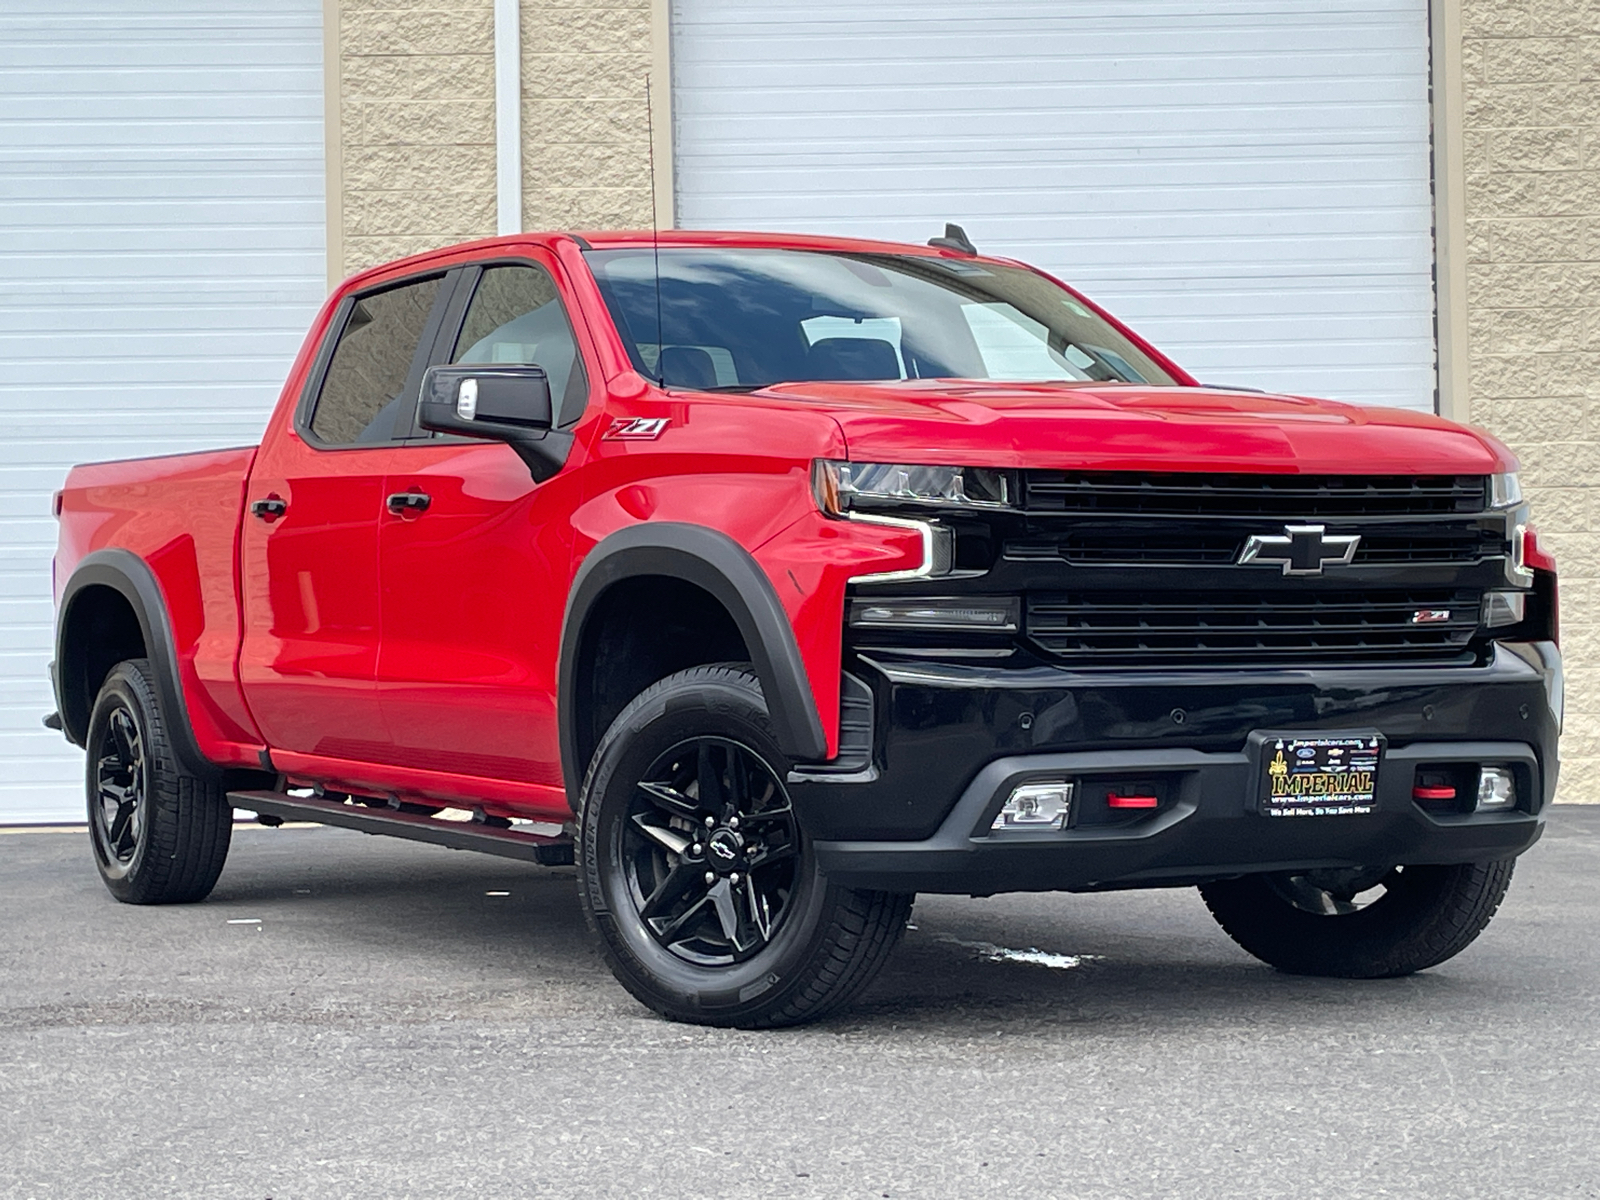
x=485, y=836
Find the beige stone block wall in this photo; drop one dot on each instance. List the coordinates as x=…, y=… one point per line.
x=416, y=112
x=585, y=150
x=1532, y=131
x=417, y=121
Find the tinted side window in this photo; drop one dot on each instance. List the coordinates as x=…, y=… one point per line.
x=363, y=389
x=516, y=317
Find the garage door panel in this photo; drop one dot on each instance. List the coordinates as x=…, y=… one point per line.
x=214, y=240
x=216, y=175
x=161, y=254
x=196, y=319
x=1248, y=185
x=1145, y=103
x=845, y=135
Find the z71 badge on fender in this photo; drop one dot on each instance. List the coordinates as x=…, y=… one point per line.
x=636, y=429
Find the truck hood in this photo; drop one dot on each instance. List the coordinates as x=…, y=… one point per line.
x=1133, y=427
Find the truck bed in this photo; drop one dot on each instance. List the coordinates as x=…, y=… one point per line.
x=180, y=514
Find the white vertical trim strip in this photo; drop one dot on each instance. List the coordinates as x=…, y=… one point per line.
x=333, y=138
x=508, y=115
x=1449, y=208
x=662, y=98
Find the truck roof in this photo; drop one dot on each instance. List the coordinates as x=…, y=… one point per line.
x=620, y=239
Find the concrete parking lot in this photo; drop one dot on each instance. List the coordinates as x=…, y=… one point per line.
x=350, y=1016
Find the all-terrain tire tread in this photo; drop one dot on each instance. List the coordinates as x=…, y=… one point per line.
x=189, y=824
x=1266, y=926
x=863, y=929
x=866, y=928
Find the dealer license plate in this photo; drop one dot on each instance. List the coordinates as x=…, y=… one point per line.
x=1333, y=775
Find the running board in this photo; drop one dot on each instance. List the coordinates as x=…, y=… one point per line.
x=418, y=827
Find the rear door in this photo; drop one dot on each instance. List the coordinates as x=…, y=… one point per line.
x=474, y=584
x=309, y=553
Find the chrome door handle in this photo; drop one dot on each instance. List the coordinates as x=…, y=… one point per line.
x=270, y=509
x=409, y=502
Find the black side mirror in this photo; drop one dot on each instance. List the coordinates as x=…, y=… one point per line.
x=508, y=404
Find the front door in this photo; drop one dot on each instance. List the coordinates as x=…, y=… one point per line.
x=474, y=584
x=309, y=554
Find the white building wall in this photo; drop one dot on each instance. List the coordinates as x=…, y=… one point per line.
x=1247, y=182
x=161, y=255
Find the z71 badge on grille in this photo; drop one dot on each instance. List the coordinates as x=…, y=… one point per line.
x=1301, y=549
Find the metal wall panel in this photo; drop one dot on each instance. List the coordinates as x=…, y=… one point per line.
x=161, y=254
x=1246, y=181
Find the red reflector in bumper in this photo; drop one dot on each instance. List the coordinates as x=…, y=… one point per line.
x=1115, y=801
x=1433, y=793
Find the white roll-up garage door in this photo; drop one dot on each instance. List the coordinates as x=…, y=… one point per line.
x=161, y=254
x=1247, y=182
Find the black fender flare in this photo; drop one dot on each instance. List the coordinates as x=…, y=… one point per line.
x=713, y=561
x=131, y=577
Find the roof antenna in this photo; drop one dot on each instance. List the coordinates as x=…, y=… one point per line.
x=655, y=232
x=955, y=238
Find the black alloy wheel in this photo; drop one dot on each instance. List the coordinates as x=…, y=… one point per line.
x=695, y=870
x=159, y=833
x=122, y=782
x=1336, y=893
x=710, y=851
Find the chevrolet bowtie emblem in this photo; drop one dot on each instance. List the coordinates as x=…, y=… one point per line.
x=1302, y=549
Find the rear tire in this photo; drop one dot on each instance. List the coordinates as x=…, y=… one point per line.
x=1314, y=923
x=159, y=834
x=696, y=875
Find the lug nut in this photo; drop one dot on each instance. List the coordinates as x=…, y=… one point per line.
x=734, y=878
x=711, y=876
x=697, y=849
x=711, y=822
x=733, y=822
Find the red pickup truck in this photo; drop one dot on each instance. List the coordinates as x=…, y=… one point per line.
x=775, y=579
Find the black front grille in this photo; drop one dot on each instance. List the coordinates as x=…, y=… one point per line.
x=1102, y=545
x=1244, y=628
x=1215, y=496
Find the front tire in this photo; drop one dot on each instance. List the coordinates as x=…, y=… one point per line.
x=159, y=834
x=696, y=875
x=1371, y=924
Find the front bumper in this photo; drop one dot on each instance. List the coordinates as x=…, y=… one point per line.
x=952, y=741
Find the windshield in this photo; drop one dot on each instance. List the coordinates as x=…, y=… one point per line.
x=738, y=319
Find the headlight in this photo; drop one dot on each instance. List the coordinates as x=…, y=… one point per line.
x=1505, y=491
x=841, y=486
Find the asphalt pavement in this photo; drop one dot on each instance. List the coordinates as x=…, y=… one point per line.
x=354, y=1016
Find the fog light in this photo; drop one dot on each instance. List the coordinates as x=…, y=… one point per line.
x=1036, y=806
x=1496, y=791
x=1503, y=608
